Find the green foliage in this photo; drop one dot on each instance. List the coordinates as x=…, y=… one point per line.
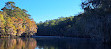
x=56, y=27
x=97, y=5
x=93, y=23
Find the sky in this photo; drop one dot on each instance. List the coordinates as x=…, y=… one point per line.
x=42, y=10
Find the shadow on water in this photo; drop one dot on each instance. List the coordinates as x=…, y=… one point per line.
x=51, y=43
x=69, y=43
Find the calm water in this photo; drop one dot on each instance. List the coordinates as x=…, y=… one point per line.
x=51, y=43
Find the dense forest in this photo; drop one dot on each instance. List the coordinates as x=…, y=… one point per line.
x=16, y=21
x=94, y=22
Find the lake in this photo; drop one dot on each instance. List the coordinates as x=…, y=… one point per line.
x=45, y=42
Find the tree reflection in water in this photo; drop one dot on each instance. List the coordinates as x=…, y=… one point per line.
x=51, y=43
x=70, y=43
x=17, y=43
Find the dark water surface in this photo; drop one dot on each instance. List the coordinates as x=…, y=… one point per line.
x=51, y=43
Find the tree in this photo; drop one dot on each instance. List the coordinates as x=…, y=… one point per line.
x=10, y=5
x=16, y=21
x=10, y=28
x=31, y=26
x=2, y=24
x=103, y=5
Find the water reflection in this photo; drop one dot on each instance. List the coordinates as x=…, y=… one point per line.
x=50, y=43
x=70, y=43
x=17, y=43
